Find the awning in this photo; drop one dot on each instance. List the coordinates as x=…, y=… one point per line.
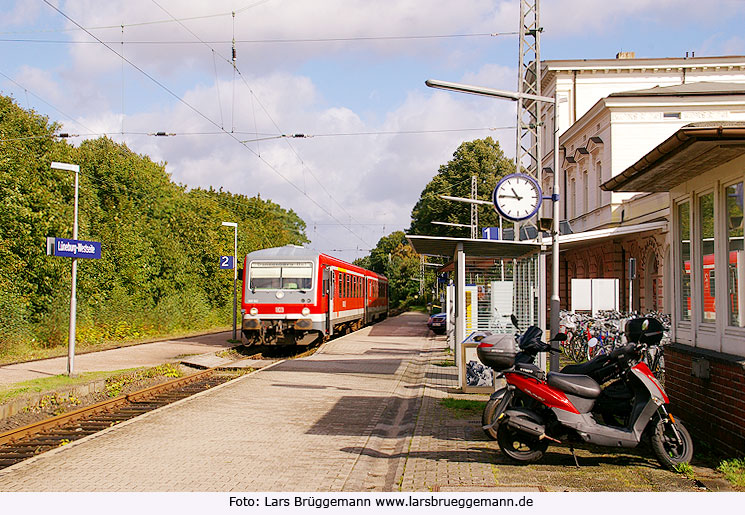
x=571, y=241
x=444, y=246
x=694, y=148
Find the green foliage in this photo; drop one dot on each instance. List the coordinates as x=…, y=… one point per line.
x=734, y=471
x=394, y=257
x=160, y=241
x=685, y=469
x=482, y=158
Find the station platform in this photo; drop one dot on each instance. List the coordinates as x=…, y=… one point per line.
x=142, y=355
x=363, y=414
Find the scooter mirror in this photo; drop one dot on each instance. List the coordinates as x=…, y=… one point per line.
x=513, y=318
x=559, y=337
x=593, y=341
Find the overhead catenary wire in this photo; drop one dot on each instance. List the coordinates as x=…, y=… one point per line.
x=73, y=120
x=340, y=39
x=265, y=137
x=197, y=111
x=233, y=63
x=144, y=23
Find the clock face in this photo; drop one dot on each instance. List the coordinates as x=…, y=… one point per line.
x=517, y=196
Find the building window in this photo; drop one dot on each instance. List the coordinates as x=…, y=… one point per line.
x=599, y=179
x=573, y=195
x=585, y=189
x=684, y=266
x=736, y=266
x=706, y=244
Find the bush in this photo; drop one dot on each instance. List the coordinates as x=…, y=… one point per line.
x=14, y=326
x=54, y=326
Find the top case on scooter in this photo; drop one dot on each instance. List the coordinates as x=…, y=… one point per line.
x=580, y=390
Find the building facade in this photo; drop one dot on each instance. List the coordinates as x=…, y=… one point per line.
x=611, y=113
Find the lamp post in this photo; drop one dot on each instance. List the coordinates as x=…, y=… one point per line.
x=234, y=225
x=73, y=296
x=511, y=95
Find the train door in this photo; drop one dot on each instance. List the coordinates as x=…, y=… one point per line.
x=328, y=280
x=365, y=280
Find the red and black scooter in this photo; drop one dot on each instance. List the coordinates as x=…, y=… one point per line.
x=536, y=409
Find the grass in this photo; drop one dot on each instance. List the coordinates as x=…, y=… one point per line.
x=685, y=469
x=54, y=383
x=734, y=471
x=463, y=408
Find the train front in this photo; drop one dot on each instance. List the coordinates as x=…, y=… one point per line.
x=281, y=297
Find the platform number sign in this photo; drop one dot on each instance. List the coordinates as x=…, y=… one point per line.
x=226, y=262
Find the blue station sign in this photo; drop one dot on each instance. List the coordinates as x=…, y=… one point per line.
x=226, y=262
x=74, y=248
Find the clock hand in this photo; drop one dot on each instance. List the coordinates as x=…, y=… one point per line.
x=516, y=195
x=510, y=196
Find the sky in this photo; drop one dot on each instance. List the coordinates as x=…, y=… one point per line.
x=348, y=75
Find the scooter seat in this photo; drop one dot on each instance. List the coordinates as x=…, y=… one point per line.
x=588, y=368
x=581, y=386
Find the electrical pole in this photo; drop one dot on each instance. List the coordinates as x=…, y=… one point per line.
x=474, y=209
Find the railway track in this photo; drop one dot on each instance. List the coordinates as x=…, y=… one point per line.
x=26, y=442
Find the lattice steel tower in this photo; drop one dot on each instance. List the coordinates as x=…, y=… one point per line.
x=474, y=208
x=528, y=153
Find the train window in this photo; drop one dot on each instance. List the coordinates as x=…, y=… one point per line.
x=736, y=252
x=276, y=275
x=712, y=290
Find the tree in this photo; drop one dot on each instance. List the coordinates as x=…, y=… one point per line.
x=482, y=158
x=160, y=241
x=395, y=258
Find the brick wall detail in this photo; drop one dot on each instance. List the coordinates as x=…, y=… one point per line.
x=713, y=409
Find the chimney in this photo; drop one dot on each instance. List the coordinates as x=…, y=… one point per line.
x=626, y=55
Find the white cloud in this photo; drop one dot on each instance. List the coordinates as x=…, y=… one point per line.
x=365, y=178
x=375, y=178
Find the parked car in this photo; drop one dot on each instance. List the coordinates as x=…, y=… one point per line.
x=438, y=323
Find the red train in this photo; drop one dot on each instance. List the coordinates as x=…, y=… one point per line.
x=709, y=288
x=293, y=296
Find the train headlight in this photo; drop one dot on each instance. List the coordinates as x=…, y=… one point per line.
x=254, y=311
x=305, y=312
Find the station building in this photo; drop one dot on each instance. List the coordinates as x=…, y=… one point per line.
x=677, y=123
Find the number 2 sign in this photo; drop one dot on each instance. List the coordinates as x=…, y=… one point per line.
x=226, y=262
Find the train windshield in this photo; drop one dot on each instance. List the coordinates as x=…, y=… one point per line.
x=281, y=276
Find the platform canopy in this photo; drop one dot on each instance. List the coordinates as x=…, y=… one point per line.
x=693, y=148
x=444, y=246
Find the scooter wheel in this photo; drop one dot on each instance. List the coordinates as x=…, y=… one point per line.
x=667, y=449
x=519, y=446
x=487, y=418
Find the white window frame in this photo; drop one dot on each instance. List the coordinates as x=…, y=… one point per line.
x=682, y=329
x=707, y=333
x=732, y=336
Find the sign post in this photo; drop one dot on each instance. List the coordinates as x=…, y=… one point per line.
x=73, y=298
x=234, y=225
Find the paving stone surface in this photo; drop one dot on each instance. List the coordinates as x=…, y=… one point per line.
x=364, y=413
